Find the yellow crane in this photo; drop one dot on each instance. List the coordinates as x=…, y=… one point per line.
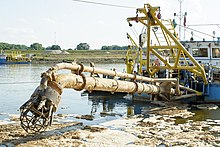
x=163, y=44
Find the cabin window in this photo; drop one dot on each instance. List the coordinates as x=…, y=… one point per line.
x=200, y=52
x=215, y=53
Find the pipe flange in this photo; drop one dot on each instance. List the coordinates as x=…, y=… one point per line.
x=79, y=72
x=93, y=69
x=115, y=88
x=84, y=83
x=136, y=87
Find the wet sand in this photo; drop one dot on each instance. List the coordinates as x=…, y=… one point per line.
x=153, y=129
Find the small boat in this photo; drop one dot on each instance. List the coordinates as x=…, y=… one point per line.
x=14, y=58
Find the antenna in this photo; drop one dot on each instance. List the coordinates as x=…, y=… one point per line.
x=55, y=38
x=180, y=15
x=213, y=35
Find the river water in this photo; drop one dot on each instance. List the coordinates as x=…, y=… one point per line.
x=17, y=83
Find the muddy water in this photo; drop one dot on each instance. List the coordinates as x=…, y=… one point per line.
x=17, y=82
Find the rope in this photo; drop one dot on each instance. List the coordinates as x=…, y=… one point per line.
x=134, y=32
x=104, y=4
x=194, y=34
x=197, y=31
x=204, y=25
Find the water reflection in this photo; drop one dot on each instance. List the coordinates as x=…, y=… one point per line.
x=200, y=115
x=116, y=104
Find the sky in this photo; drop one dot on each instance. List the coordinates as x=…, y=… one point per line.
x=68, y=23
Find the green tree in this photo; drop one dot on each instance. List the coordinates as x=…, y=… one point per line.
x=48, y=48
x=7, y=46
x=105, y=47
x=36, y=46
x=4, y=46
x=83, y=46
x=53, y=47
x=114, y=47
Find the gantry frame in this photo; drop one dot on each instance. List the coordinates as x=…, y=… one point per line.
x=177, y=57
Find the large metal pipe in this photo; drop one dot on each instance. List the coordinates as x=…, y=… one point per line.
x=79, y=67
x=100, y=84
x=37, y=112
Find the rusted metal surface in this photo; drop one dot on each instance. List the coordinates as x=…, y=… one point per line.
x=37, y=112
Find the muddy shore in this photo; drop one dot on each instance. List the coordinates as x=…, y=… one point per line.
x=151, y=129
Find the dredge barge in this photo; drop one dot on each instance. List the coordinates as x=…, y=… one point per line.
x=158, y=66
x=14, y=58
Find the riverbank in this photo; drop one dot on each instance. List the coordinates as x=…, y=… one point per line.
x=149, y=129
x=83, y=56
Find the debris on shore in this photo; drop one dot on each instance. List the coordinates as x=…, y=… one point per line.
x=207, y=106
x=157, y=128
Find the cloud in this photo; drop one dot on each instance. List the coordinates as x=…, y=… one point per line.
x=99, y=22
x=22, y=20
x=49, y=20
x=18, y=35
x=17, y=30
x=197, y=12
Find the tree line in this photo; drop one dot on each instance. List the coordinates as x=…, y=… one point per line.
x=38, y=46
x=34, y=46
x=114, y=47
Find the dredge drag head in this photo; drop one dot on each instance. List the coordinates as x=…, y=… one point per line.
x=37, y=112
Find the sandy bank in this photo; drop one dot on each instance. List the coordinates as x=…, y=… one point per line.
x=149, y=130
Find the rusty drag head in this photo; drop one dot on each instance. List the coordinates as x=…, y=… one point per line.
x=37, y=112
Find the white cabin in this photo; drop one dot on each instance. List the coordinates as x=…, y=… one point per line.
x=204, y=51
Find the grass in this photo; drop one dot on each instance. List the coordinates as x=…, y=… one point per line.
x=96, y=56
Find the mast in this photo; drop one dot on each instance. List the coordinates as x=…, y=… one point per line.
x=180, y=15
